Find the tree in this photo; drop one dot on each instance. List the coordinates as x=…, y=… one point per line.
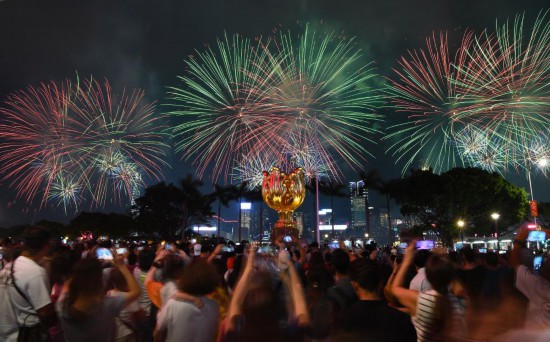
x=113, y=225
x=160, y=209
x=164, y=208
x=191, y=196
x=439, y=201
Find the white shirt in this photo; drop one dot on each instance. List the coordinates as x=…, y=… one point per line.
x=419, y=282
x=167, y=291
x=183, y=321
x=33, y=281
x=537, y=290
x=124, y=319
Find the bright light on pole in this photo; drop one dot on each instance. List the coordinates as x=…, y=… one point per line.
x=460, y=224
x=495, y=216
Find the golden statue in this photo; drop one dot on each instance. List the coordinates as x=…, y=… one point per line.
x=284, y=193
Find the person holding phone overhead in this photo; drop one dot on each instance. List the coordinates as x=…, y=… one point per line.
x=536, y=287
x=86, y=314
x=438, y=315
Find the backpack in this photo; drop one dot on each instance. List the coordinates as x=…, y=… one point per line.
x=8, y=316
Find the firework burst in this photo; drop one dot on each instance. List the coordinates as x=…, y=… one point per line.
x=224, y=110
x=240, y=100
x=64, y=143
x=507, y=83
x=426, y=88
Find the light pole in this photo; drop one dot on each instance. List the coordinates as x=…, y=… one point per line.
x=542, y=162
x=460, y=224
x=495, y=217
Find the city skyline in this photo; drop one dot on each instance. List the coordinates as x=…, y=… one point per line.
x=142, y=45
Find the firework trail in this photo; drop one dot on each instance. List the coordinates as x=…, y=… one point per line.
x=507, y=85
x=39, y=134
x=324, y=90
x=426, y=88
x=479, y=149
x=224, y=110
x=126, y=137
x=242, y=99
x=71, y=142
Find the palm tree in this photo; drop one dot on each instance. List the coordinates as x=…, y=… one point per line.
x=371, y=180
x=332, y=188
x=223, y=194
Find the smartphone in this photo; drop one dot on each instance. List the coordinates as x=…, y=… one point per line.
x=424, y=244
x=140, y=248
x=121, y=250
x=103, y=254
x=483, y=250
x=537, y=262
x=333, y=245
x=227, y=248
x=168, y=246
x=287, y=238
x=536, y=235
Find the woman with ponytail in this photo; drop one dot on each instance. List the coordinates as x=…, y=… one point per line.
x=437, y=314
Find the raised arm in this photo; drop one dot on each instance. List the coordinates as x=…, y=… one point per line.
x=235, y=306
x=407, y=297
x=300, y=306
x=134, y=290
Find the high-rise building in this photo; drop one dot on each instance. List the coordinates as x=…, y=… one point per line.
x=358, y=198
x=259, y=221
x=300, y=221
x=244, y=221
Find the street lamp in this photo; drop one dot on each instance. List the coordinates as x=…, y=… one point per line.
x=366, y=235
x=495, y=217
x=460, y=224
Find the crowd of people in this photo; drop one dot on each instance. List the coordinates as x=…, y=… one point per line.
x=286, y=291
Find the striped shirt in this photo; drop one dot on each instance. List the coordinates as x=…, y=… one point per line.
x=429, y=327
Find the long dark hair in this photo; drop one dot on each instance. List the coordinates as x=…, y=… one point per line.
x=87, y=280
x=440, y=272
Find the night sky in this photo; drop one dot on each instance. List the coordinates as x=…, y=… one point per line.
x=142, y=44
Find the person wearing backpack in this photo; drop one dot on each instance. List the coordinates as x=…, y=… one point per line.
x=26, y=310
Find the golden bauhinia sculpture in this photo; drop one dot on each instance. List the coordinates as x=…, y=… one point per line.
x=284, y=193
